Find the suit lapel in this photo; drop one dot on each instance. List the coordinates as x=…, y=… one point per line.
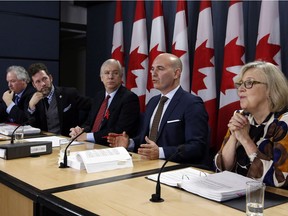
x=59, y=103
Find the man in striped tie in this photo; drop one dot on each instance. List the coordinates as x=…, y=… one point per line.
x=175, y=126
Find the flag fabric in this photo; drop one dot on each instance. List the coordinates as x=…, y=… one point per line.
x=203, y=74
x=180, y=42
x=138, y=58
x=117, y=41
x=157, y=45
x=234, y=58
x=268, y=41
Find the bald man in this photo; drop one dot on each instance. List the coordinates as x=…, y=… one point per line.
x=183, y=126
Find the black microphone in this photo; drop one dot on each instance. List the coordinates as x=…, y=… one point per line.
x=157, y=196
x=64, y=163
x=13, y=133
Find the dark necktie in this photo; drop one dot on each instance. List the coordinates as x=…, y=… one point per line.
x=17, y=98
x=46, y=102
x=100, y=114
x=156, y=120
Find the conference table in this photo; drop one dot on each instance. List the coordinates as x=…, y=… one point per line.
x=37, y=186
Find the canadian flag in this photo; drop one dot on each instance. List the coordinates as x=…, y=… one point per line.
x=180, y=43
x=157, y=45
x=138, y=57
x=234, y=58
x=203, y=81
x=117, y=41
x=268, y=41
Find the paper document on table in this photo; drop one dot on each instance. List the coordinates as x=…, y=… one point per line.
x=53, y=139
x=175, y=177
x=97, y=160
x=218, y=186
x=7, y=129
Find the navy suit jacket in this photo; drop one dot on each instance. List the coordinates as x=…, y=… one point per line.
x=69, y=104
x=18, y=112
x=124, y=115
x=184, y=123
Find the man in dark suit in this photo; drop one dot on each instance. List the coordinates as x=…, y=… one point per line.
x=54, y=109
x=183, y=127
x=13, y=103
x=121, y=113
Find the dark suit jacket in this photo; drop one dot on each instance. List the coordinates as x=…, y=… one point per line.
x=185, y=123
x=69, y=104
x=18, y=112
x=124, y=115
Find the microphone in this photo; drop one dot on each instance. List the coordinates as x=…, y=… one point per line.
x=157, y=196
x=13, y=133
x=64, y=163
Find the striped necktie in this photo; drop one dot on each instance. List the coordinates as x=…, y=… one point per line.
x=157, y=118
x=100, y=114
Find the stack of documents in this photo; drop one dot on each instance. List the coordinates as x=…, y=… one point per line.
x=219, y=186
x=7, y=129
x=98, y=160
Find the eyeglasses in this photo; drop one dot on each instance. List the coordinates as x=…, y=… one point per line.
x=248, y=84
x=112, y=73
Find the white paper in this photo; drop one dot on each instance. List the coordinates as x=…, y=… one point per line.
x=97, y=160
x=7, y=129
x=175, y=177
x=53, y=139
x=218, y=186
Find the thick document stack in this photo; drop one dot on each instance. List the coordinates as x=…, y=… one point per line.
x=25, y=149
x=98, y=160
x=7, y=129
x=218, y=187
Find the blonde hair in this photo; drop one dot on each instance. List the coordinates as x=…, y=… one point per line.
x=277, y=83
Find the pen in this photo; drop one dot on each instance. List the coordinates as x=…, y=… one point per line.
x=116, y=135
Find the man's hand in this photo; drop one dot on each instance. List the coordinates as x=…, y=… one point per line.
x=37, y=96
x=117, y=140
x=75, y=131
x=150, y=150
x=7, y=97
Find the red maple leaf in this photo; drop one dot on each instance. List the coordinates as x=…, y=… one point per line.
x=152, y=55
x=135, y=60
x=233, y=55
x=202, y=58
x=118, y=54
x=266, y=51
x=178, y=53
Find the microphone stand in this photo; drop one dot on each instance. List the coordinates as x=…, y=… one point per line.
x=13, y=133
x=157, y=196
x=64, y=163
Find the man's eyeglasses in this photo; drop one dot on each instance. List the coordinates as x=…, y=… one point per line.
x=112, y=73
x=248, y=84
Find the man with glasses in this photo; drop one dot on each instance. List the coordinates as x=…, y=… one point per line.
x=256, y=144
x=51, y=108
x=115, y=109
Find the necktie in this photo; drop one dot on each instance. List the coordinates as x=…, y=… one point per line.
x=46, y=102
x=100, y=114
x=17, y=98
x=156, y=120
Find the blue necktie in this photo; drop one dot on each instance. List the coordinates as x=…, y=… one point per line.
x=17, y=98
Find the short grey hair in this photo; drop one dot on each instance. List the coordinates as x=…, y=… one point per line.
x=20, y=73
x=109, y=62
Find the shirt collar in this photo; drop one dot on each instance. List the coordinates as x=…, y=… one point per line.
x=171, y=93
x=50, y=95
